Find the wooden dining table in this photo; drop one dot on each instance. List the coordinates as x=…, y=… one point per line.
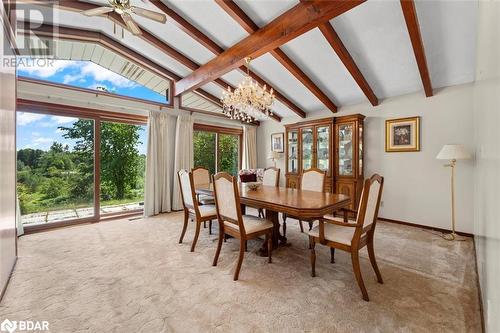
x=306, y=205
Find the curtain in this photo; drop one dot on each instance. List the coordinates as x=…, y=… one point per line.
x=183, y=154
x=249, y=147
x=157, y=188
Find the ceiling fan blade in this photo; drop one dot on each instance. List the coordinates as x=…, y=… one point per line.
x=158, y=17
x=129, y=21
x=97, y=11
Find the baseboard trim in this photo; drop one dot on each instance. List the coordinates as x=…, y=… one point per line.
x=425, y=227
x=478, y=283
x=8, y=280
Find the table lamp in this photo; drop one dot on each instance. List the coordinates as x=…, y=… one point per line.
x=453, y=152
x=273, y=156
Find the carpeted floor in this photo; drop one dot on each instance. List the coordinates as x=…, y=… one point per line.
x=133, y=276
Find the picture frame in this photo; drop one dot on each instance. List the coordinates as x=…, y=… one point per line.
x=402, y=135
x=278, y=142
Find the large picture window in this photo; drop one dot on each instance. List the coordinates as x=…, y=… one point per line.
x=217, y=149
x=72, y=168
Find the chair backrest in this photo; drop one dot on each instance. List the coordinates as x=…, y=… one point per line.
x=271, y=177
x=227, y=199
x=313, y=180
x=200, y=176
x=187, y=189
x=369, y=204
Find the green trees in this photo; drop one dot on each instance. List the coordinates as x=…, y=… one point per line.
x=208, y=146
x=62, y=178
x=204, y=150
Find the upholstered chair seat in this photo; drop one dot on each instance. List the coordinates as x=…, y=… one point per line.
x=206, y=210
x=251, y=223
x=335, y=233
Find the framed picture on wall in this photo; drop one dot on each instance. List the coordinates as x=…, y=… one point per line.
x=277, y=142
x=402, y=135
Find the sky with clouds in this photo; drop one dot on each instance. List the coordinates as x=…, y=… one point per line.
x=85, y=74
x=39, y=131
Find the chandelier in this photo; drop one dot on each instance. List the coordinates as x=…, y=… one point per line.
x=249, y=101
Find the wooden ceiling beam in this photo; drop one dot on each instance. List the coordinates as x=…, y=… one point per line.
x=233, y=10
x=147, y=36
x=203, y=39
x=410, y=14
x=336, y=43
x=66, y=33
x=291, y=24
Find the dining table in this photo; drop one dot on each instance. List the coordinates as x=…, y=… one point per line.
x=306, y=205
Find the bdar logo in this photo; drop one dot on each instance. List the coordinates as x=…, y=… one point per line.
x=8, y=326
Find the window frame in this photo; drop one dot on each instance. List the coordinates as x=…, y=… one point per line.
x=222, y=130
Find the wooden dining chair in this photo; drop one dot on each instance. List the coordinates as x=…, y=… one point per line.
x=233, y=223
x=339, y=233
x=271, y=178
x=202, y=176
x=313, y=179
x=192, y=210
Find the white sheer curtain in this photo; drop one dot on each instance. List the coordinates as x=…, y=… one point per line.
x=183, y=154
x=249, y=147
x=157, y=188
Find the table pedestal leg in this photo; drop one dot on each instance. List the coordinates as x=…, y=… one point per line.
x=278, y=239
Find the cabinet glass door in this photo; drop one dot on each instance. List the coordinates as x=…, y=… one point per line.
x=307, y=148
x=293, y=146
x=345, y=149
x=323, y=147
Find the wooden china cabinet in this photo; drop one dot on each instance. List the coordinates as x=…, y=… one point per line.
x=334, y=145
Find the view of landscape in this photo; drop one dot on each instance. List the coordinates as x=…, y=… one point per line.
x=55, y=167
x=209, y=146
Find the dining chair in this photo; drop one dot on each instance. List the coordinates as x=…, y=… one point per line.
x=202, y=176
x=351, y=236
x=271, y=178
x=233, y=223
x=192, y=210
x=313, y=179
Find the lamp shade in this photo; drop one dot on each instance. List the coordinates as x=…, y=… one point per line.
x=273, y=155
x=453, y=152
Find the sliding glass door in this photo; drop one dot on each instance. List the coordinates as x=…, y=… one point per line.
x=72, y=169
x=55, y=168
x=122, y=159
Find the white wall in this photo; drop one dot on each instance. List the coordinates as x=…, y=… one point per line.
x=7, y=162
x=487, y=178
x=416, y=188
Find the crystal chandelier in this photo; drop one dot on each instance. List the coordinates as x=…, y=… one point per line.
x=248, y=102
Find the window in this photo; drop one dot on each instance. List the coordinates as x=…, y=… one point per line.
x=58, y=164
x=55, y=169
x=217, y=148
x=88, y=75
x=122, y=167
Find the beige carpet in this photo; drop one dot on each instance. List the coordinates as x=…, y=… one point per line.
x=133, y=276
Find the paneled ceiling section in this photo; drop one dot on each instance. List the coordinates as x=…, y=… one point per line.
x=84, y=51
x=374, y=33
x=195, y=101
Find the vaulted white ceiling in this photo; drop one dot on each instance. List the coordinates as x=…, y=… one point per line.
x=374, y=33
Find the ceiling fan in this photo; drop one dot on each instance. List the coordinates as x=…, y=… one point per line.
x=124, y=9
